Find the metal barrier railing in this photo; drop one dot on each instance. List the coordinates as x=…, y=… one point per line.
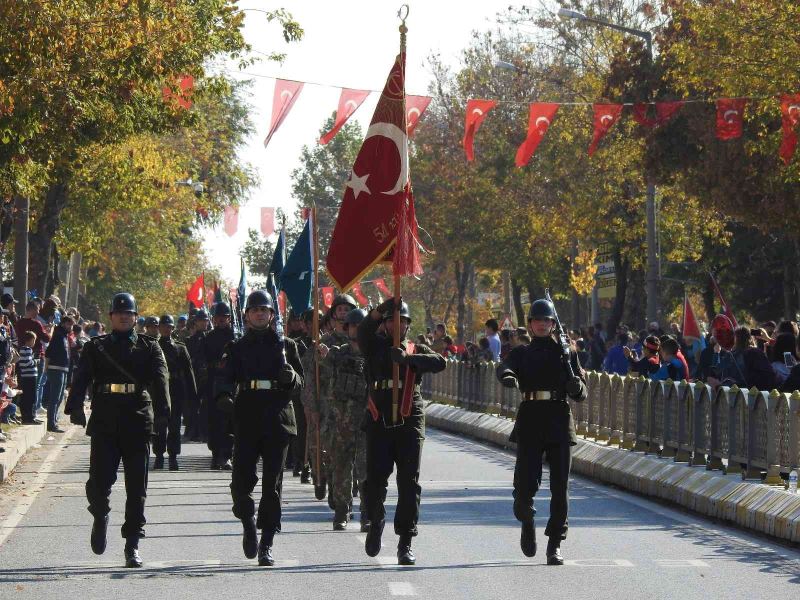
x=730, y=429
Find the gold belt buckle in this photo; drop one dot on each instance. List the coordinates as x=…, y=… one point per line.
x=542, y=395
x=261, y=384
x=117, y=388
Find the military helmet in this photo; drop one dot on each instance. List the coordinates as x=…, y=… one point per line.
x=182, y=318
x=404, y=312
x=123, y=302
x=192, y=311
x=542, y=309
x=151, y=322
x=343, y=299
x=308, y=316
x=259, y=298
x=201, y=315
x=168, y=320
x=221, y=309
x=140, y=321
x=355, y=316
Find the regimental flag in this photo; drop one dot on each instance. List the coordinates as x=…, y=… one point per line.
x=367, y=226
x=358, y=293
x=284, y=97
x=691, y=328
x=327, y=296
x=726, y=310
x=241, y=290
x=541, y=114
x=274, y=277
x=349, y=101
x=477, y=111
x=605, y=117
x=415, y=108
x=297, y=277
x=730, y=119
x=790, y=117
x=196, y=294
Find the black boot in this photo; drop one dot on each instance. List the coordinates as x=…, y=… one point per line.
x=158, y=463
x=554, y=556
x=372, y=545
x=265, y=558
x=305, y=475
x=98, y=538
x=173, y=463
x=132, y=558
x=527, y=540
x=340, y=520
x=320, y=490
x=214, y=463
x=226, y=465
x=405, y=556
x=250, y=538
x=364, y=522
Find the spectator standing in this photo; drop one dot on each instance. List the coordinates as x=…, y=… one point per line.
x=785, y=345
x=27, y=376
x=57, y=361
x=439, y=333
x=597, y=347
x=649, y=362
x=31, y=322
x=495, y=345
x=746, y=365
x=671, y=366
x=616, y=361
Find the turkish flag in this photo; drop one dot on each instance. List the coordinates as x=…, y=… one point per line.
x=605, y=117
x=382, y=287
x=231, y=220
x=405, y=254
x=415, y=108
x=730, y=118
x=691, y=329
x=286, y=93
x=282, y=302
x=790, y=112
x=196, y=293
x=359, y=294
x=267, y=220
x=349, y=101
x=327, y=296
x=366, y=228
x=477, y=110
x=540, y=116
x=725, y=308
x=665, y=111
x=183, y=95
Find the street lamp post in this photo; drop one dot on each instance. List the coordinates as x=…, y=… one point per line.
x=653, y=262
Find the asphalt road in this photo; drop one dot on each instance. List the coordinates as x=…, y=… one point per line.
x=619, y=545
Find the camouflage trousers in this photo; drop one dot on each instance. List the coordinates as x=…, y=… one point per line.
x=348, y=462
x=325, y=435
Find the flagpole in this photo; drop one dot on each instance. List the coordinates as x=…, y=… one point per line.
x=315, y=333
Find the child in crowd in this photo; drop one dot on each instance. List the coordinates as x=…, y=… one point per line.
x=26, y=375
x=671, y=366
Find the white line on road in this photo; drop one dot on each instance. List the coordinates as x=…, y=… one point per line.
x=401, y=588
x=21, y=509
x=680, y=563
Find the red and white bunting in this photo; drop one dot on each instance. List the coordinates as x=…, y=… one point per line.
x=286, y=93
x=267, y=220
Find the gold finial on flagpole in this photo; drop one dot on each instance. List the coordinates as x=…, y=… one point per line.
x=402, y=14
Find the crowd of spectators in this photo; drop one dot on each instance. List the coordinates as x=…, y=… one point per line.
x=38, y=352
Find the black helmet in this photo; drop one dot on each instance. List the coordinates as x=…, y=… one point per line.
x=151, y=321
x=168, y=320
x=123, y=302
x=140, y=321
x=355, y=316
x=221, y=309
x=343, y=299
x=201, y=315
x=308, y=316
x=259, y=298
x=542, y=309
x=404, y=312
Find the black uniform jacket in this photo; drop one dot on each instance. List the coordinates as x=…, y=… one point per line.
x=259, y=355
x=182, y=385
x=375, y=347
x=128, y=413
x=539, y=366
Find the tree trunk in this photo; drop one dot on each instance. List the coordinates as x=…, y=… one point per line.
x=788, y=288
x=449, y=308
x=41, y=241
x=516, y=293
x=636, y=302
x=472, y=293
x=708, y=300
x=462, y=277
x=621, y=267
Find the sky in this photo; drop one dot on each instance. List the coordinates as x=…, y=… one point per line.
x=347, y=43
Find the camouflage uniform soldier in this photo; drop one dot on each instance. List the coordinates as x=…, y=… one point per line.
x=347, y=406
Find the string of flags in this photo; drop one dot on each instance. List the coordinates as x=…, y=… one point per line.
x=230, y=221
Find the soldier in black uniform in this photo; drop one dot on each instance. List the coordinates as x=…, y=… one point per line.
x=196, y=423
x=265, y=368
x=151, y=327
x=394, y=433
x=130, y=399
x=544, y=425
x=220, y=426
x=182, y=387
x=300, y=468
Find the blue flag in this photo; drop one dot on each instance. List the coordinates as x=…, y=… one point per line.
x=241, y=291
x=296, y=278
x=274, y=279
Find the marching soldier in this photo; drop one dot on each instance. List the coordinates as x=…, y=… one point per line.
x=308, y=394
x=544, y=425
x=182, y=330
x=300, y=466
x=347, y=407
x=265, y=368
x=182, y=387
x=130, y=399
x=196, y=423
x=151, y=327
x=220, y=427
x=394, y=433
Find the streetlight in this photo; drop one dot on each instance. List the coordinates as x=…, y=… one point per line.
x=653, y=265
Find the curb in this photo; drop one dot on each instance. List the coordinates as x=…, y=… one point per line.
x=755, y=506
x=20, y=441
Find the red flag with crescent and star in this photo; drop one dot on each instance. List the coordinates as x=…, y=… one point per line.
x=231, y=220
x=327, y=296
x=376, y=190
x=286, y=93
x=665, y=111
x=790, y=113
x=605, y=117
x=541, y=114
x=691, y=328
x=267, y=220
x=415, y=108
x=382, y=287
x=730, y=118
x=359, y=295
x=349, y=101
x=196, y=293
x=477, y=110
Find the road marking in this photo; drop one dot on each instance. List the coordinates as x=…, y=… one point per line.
x=151, y=564
x=401, y=588
x=687, y=562
x=598, y=562
x=21, y=508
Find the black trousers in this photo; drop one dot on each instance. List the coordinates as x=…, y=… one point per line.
x=528, y=480
x=248, y=448
x=28, y=385
x=220, y=430
x=387, y=447
x=299, y=441
x=104, y=457
x=169, y=440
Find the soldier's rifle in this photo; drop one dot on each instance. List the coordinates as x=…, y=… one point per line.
x=315, y=334
x=563, y=339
